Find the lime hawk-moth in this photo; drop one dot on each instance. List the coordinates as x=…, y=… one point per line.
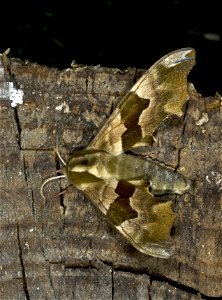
x=123, y=186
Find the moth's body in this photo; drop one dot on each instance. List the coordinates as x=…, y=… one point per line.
x=142, y=172
x=123, y=186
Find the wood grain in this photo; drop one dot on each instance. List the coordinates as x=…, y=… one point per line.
x=64, y=248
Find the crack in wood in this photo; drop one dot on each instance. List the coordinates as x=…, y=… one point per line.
x=50, y=280
x=159, y=278
x=25, y=287
x=18, y=127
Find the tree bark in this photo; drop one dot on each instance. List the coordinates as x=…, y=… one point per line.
x=64, y=248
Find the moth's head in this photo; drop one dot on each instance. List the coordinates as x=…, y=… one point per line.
x=79, y=168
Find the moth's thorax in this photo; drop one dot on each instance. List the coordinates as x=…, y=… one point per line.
x=82, y=166
x=88, y=166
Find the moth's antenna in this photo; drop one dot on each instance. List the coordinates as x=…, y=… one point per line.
x=60, y=157
x=57, y=151
x=46, y=181
x=54, y=177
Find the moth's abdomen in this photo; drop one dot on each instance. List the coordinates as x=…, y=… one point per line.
x=159, y=179
x=165, y=181
x=168, y=182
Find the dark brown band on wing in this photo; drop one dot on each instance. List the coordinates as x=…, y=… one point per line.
x=120, y=210
x=130, y=114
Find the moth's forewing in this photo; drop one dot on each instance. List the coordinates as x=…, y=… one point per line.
x=160, y=93
x=140, y=217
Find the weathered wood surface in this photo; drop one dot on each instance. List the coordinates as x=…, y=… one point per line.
x=64, y=248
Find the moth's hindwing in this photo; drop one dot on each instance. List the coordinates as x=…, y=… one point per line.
x=160, y=93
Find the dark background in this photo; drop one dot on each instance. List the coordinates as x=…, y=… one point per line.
x=115, y=33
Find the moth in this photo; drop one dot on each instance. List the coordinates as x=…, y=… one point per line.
x=122, y=185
